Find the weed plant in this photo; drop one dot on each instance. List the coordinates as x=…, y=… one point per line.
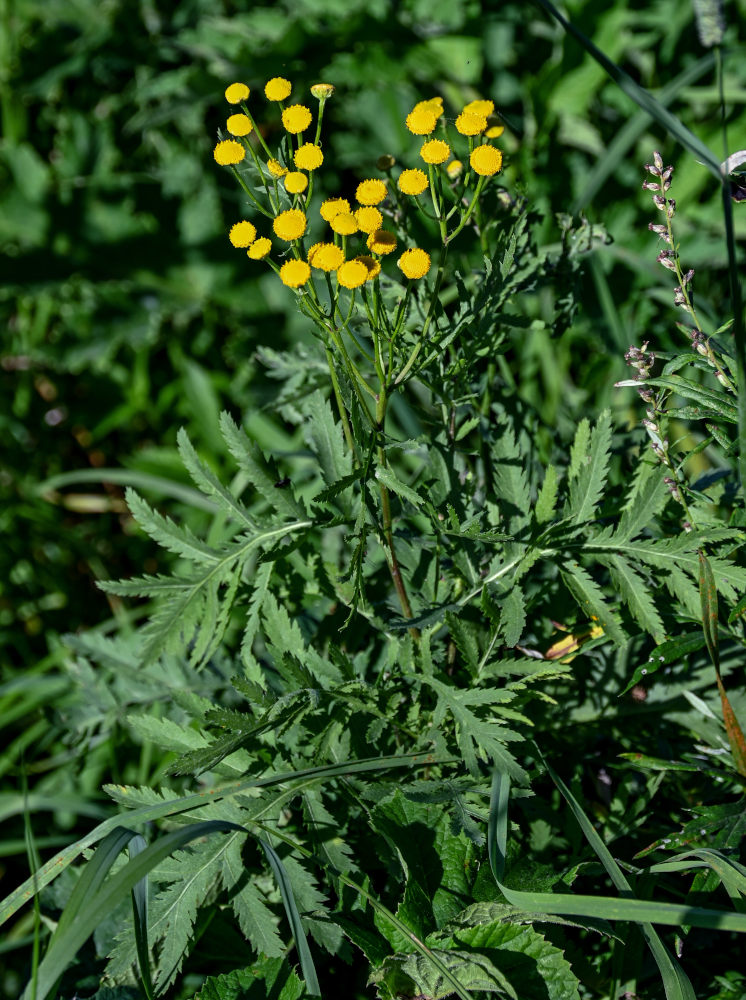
x=373, y=650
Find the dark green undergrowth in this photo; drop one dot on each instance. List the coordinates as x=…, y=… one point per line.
x=431, y=690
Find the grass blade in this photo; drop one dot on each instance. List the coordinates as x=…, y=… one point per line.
x=140, y=918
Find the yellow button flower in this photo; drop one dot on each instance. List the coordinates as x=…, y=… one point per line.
x=372, y=265
x=322, y=91
x=414, y=263
x=332, y=207
x=495, y=127
x=370, y=192
x=381, y=242
x=242, y=234
x=454, y=169
x=276, y=168
x=326, y=256
x=412, y=182
x=486, y=160
x=295, y=182
x=296, y=118
x=239, y=125
x=290, y=225
x=435, y=151
x=236, y=93
x=277, y=89
x=259, y=248
x=422, y=121
x=295, y=273
x=434, y=105
x=352, y=274
x=468, y=123
x=368, y=219
x=485, y=108
x=344, y=223
x=228, y=153
x=308, y=157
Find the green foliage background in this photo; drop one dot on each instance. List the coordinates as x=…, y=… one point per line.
x=127, y=314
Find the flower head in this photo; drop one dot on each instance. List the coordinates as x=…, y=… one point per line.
x=276, y=168
x=322, y=91
x=259, y=248
x=370, y=192
x=486, y=160
x=412, y=182
x=495, y=127
x=326, y=256
x=352, y=274
x=295, y=182
x=344, y=223
x=414, y=263
x=296, y=118
x=239, y=125
x=277, y=89
x=236, y=93
x=332, y=207
x=435, y=151
x=454, y=169
x=295, y=273
x=308, y=157
x=480, y=107
x=228, y=153
x=381, y=242
x=434, y=105
x=368, y=219
x=290, y=225
x=373, y=266
x=385, y=162
x=422, y=121
x=468, y=123
x=242, y=234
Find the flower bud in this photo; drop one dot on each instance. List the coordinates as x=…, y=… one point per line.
x=385, y=162
x=658, y=161
x=659, y=201
x=664, y=258
x=322, y=91
x=650, y=186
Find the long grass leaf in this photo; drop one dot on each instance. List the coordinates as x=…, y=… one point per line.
x=291, y=909
x=140, y=918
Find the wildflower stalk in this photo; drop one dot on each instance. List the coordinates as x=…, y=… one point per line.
x=428, y=319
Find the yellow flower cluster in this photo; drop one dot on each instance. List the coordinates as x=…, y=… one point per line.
x=291, y=174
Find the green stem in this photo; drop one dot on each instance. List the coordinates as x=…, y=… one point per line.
x=429, y=318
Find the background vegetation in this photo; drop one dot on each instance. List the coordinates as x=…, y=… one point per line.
x=129, y=315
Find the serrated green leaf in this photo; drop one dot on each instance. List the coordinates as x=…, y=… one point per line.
x=547, y=499
x=591, y=600
x=588, y=471
x=513, y=616
x=390, y=481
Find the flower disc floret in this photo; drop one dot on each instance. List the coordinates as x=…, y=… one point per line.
x=259, y=248
x=381, y=242
x=326, y=256
x=236, y=93
x=239, y=125
x=412, y=182
x=296, y=118
x=277, y=89
x=486, y=160
x=276, y=168
x=468, y=123
x=242, y=234
x=295, y=273
x=368, y=219
x=480, y=108
x=332, y=207
x=372, y=265
x=308, y=157
x=229, y=152
x=435, y=151
x=414, y=263
x=352, y=274
x=422, y=121
x=290, y=225
x=295, y=182
x=370, y=192
x=345, y=224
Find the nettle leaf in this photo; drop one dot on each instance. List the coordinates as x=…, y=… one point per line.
x=589, y=467
x=534, y=968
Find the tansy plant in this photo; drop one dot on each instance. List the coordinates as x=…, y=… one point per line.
x=339, y=256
